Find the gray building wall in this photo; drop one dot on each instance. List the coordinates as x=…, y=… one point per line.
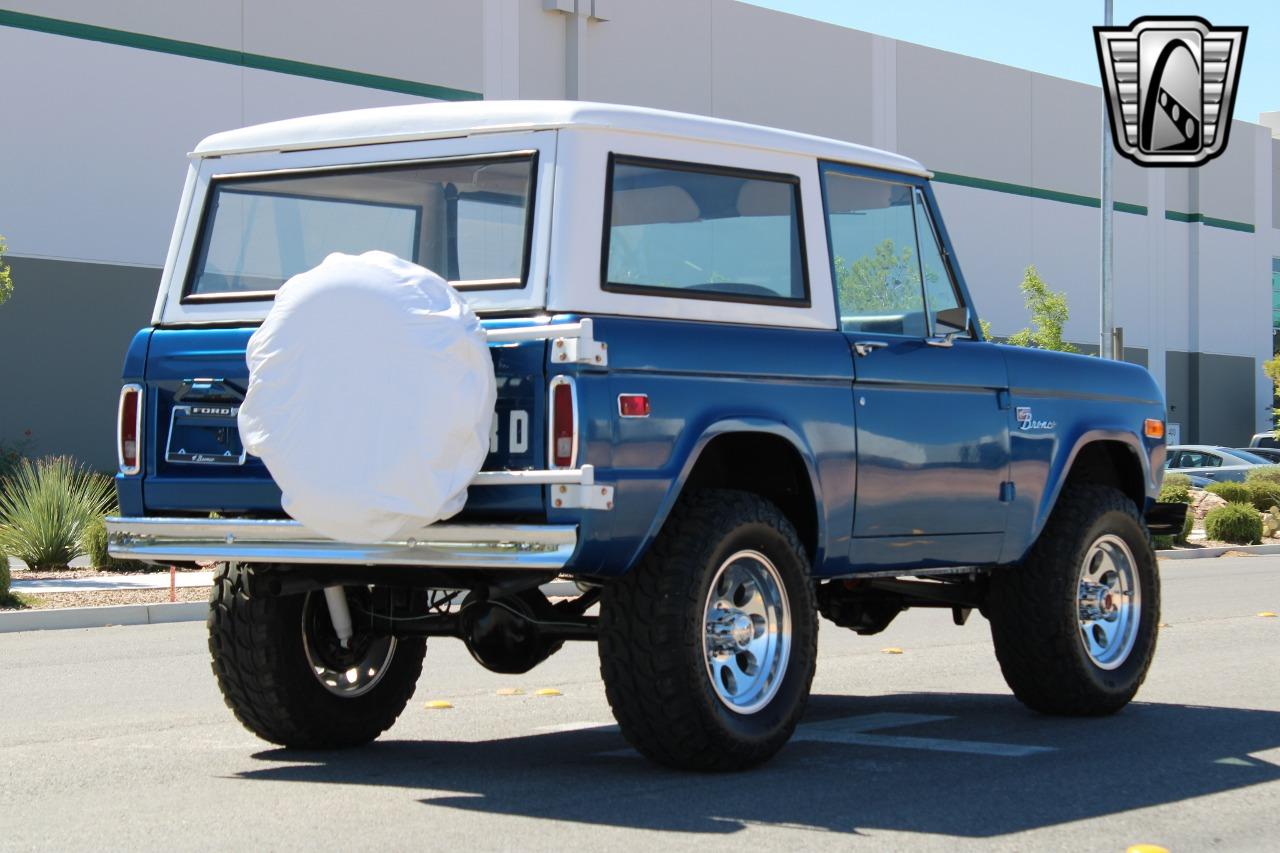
x=63, y=336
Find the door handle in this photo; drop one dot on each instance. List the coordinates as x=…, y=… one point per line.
x=865, y=348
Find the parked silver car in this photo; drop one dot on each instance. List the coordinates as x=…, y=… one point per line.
x=1212, y=462
x=1264, y=439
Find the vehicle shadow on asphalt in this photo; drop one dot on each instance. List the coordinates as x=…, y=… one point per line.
x=1147, y=755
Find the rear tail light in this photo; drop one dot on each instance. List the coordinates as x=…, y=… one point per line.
x=129, y=430
x=563, y=431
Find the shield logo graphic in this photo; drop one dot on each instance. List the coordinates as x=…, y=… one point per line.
x=1171, y=86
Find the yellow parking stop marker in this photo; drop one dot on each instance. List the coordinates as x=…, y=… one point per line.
x=892, y=650
x=438, y=705
x=511, y=691
x=547, y=691
x=1267, y=614
x=1146, y=848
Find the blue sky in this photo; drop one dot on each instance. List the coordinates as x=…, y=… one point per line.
x=1055, y=38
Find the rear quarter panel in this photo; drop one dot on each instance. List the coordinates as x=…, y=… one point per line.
x=704, y=379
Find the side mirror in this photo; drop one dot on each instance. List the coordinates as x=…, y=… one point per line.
x=955, y=320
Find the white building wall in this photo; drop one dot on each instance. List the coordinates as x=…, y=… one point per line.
x=95, y=172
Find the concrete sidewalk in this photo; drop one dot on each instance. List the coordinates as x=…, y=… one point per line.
x=154, y=580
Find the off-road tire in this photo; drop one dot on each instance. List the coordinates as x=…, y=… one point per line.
x=262, y=669
x=652, y=637
x=1033, y=609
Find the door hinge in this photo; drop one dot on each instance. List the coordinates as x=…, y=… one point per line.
x=580, y=349
x=1007, y=492
x=1003, y=400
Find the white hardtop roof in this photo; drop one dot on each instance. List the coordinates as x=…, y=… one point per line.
x=436, y=120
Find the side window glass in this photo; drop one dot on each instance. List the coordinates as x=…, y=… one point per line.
x=677, y=229
x=874, y=259
x=939, y=290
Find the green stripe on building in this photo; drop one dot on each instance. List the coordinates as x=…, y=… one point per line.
x=1212, y=222
x=227, y=56
x=1034, y=192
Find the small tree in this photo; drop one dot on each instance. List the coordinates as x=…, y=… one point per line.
x=6, y=281
x=1049, y=314
x=1272, y=369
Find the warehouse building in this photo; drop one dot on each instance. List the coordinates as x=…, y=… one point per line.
x=102, y=102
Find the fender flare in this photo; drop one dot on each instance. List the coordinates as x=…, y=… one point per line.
x=1059, y=473
x=727, y=426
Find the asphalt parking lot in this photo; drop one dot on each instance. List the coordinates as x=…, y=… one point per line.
x=117, y=738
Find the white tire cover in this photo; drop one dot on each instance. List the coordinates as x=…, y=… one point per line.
x=371, y=395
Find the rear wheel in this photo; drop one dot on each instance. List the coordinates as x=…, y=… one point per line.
x=1074, y=625
x=288, y=679
x=707, y=647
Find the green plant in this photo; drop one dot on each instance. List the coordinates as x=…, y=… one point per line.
x=1176, y=489
x=1239, y=524
x=95, y=548
x=1269, y=473
x=1235, y=493
x=6, y=280
x=1271, y=367
x=1263, y=494
x=46, y=506
x=1187, y=524
x=5, y=579
x=1049, y=314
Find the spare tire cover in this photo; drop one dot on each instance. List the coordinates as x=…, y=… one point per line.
x=371, y=396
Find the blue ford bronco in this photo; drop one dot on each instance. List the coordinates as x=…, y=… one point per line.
x=740, y=386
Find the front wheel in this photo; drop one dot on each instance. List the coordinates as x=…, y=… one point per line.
x=1074, y=624
x=707, y=647
x=286, y=677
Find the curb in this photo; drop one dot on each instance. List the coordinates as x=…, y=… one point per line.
x=1205, y=553
x=101, y=617
x=150, y=614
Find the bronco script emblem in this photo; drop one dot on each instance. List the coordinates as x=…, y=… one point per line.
x=1026, y=421
x=1171, y=85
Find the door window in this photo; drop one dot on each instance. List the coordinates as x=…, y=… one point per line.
x=874, y=260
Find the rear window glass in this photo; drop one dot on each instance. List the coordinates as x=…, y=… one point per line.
x=701, y=231
x=467, y=220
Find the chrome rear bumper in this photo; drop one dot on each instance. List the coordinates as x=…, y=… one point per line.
x=454, y=546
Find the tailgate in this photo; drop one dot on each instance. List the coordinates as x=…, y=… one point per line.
x=195, y=380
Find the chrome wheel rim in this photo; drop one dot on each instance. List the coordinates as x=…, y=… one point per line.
x=1109, y=602
x=747, y=632
x=349, y=672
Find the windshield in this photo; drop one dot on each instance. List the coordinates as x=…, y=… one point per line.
x=465, y=219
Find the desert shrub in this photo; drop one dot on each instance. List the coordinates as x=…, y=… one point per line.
x=1188, y=523
x=4, y=575
x=1263, y=494
x=46, y=507
x=95, y=548
x=1161, y=543
x=1235, y=493
x=1177, y=492
x=1181, y=481
x=1237, y=523
x=1269, y=473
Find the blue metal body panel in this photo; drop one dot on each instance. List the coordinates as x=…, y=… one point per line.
x=916, y=456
